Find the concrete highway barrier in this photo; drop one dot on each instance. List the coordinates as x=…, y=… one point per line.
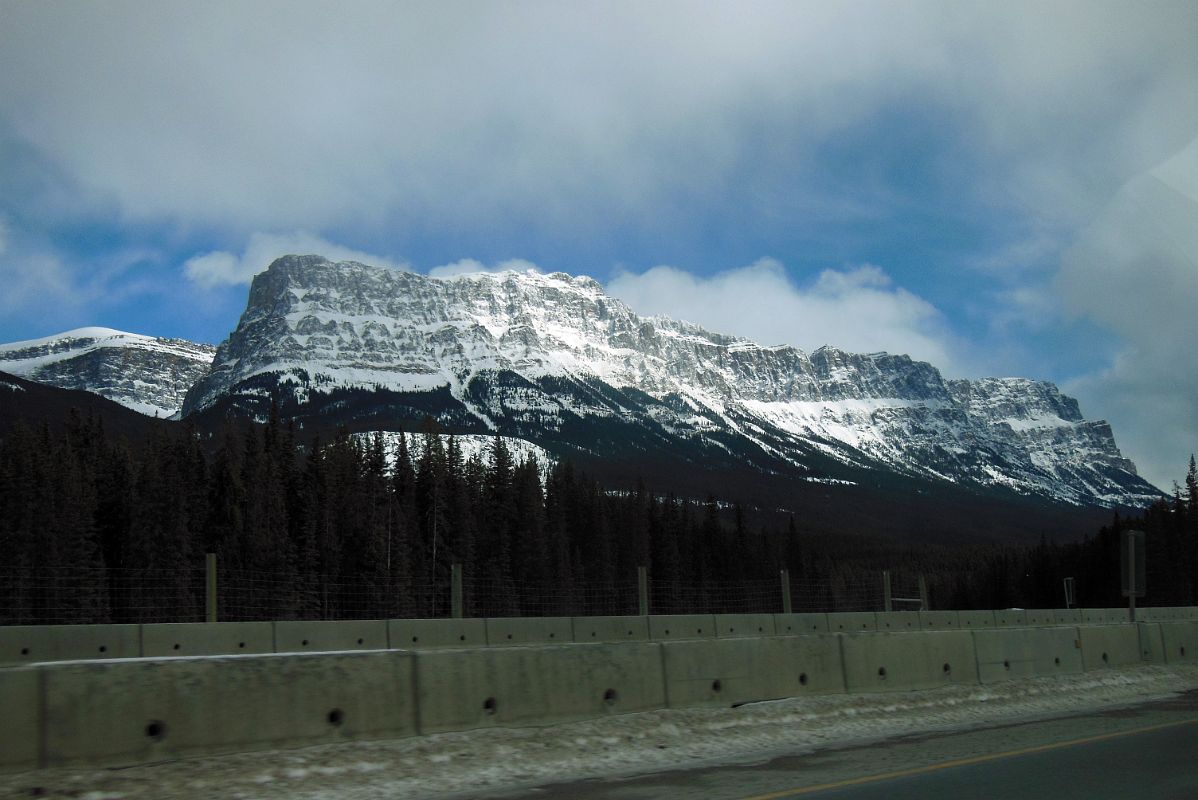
x=301, y=636
x=27, y=644
x=1010, y=618
x=1067, y=616
x=744, y=625
x=973, y=620
x=939, y=620
x=1109, y=645
x=504, y=686
x=504, y=631
x=1040, y=616
x=888, y=662
x=21, y=733
x=1180, y=642
x=898, y=620
x=611, y=629
x=853, y=621
x=1009, y=653
x=424, y=634
x=682, y=626
x=109, y=712
x=786, y=624
x=144, y=710
x=734, y=671
x=204, y=639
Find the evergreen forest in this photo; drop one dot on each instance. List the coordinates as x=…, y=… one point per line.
x=96, y=529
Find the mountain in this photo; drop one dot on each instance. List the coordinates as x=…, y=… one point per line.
x=35, y=404
x=555, y=360
x=147, y=374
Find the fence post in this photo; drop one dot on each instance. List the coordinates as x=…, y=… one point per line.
x=923, y=594
x=642, y=591
x=887, y=606
x=456, y=608
x=210, y=587
x=786, y=607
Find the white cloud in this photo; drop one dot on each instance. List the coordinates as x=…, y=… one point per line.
x=268, y=115
x=1134, y=270
x=466, y=266
x=221, y=268
x=857, y=309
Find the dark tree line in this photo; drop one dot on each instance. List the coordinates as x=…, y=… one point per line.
x=93, y=529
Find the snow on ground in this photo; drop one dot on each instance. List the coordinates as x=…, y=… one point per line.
x=477, y=763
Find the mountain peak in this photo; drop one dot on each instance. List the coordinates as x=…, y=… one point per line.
x=551, y=356
x=145, y=373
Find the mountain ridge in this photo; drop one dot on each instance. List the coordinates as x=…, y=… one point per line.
x=553, y=358
x=144, y=373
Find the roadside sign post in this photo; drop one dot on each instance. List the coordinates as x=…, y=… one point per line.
x=1133, y=570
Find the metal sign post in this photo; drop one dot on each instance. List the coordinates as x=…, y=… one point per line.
x=1133, y=570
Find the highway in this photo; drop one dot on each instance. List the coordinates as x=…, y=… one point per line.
x=1146, y=751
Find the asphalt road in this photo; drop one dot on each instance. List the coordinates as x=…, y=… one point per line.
x=1147, y=751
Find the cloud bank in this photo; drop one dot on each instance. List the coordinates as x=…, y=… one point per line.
x=221, y=268
x=1134, y=270
x=857, y=309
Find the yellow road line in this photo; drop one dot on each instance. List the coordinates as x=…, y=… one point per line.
x=963, y=762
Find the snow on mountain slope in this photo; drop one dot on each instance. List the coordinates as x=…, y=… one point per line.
x=531, y=354
x=146, y=374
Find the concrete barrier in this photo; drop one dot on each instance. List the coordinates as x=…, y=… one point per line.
x=504, y=631
x=975, y=620
x=21, y=731
x=1094, y=616
x=144, y=710
x=503, y=686
x=682, y=626
x=1009, y=653
x=1115, y=616
x=203, y=639
x=848, y=621
x=889, y=662
x=421, y=634
x=1010, y=618
x=1109, y=645
x=728, y=672
x=938, y=620
x=744, y=625
x=26, y=644
x=1040, y=616
x=1152, y=642
x=1067, y=616
x=299, y=636
x=1180, y=642
x=898, y=620
x=611, y=629
x=786, y=624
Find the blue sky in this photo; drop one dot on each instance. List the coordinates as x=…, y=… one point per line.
x=1001, y=189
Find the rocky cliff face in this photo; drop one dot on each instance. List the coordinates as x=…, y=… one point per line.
x=144, y=373
x=554, y=359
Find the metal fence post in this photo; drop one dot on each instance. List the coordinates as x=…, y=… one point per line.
x=786, y=606
x=456, y=605
x=887, y=606
x=210, y=587
x=642, y=590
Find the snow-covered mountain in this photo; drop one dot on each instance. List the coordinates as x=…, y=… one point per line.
x=554, y=359
x=143, y=373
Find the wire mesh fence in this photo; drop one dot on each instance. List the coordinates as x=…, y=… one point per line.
x=150, y=596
